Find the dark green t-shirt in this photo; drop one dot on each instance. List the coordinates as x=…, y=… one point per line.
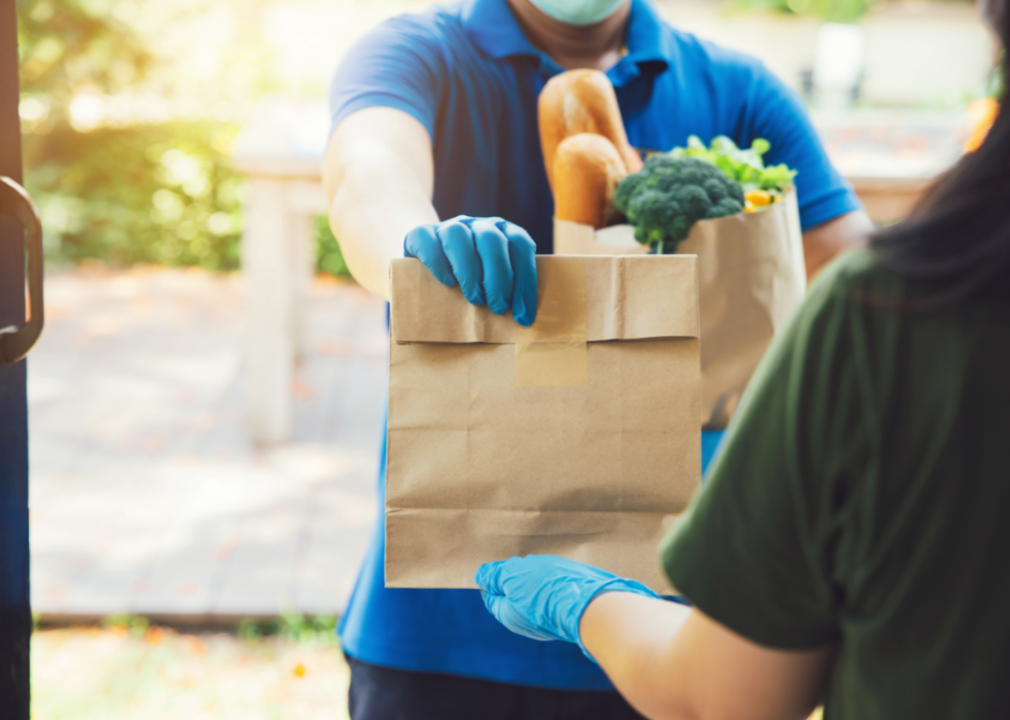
x=863, y=499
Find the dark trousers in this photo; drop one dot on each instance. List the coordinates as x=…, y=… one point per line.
x=380, y=693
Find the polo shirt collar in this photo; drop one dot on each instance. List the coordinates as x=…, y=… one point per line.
x=493, y=27
x=648, y=42
x=491, y=24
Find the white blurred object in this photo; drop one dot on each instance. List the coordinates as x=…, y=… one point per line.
x=280, y=150
x=86, y=112
x=838, y=64
x=284, y=129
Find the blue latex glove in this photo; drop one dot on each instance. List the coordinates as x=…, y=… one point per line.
x=543, y=596
x=493, y=260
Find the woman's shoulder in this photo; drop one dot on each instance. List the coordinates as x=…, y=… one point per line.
x=858, y=278
x=855, y=270
x=859, y=304
x=855, y=279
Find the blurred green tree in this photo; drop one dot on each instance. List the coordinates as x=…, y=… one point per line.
x=127, y=192
x=68, y=46
x=160, y=194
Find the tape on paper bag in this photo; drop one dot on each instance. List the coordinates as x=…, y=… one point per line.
x=553, y=350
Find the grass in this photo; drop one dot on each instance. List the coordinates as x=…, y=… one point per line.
x=287, y=668
x=290, y=668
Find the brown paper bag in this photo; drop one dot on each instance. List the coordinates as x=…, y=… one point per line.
x=576, y=437
x=752, y=278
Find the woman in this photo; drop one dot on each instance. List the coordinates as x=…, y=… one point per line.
x=851, y=545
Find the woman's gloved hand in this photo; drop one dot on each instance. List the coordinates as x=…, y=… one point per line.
x=493, y=260
x=543, y=596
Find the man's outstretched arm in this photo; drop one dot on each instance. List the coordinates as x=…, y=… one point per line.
x=379, y=175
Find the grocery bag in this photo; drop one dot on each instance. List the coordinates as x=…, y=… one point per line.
x=577, y=437
x=752, y=278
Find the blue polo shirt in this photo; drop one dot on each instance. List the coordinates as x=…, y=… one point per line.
x=469, y=75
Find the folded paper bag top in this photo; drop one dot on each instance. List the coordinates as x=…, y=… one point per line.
x=484, y=464
x=626, y=298
x=752, y=279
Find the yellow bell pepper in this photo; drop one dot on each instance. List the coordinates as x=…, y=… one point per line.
x=981, y=115
x=756, y=199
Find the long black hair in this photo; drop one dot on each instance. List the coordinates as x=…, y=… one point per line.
x=957, y=239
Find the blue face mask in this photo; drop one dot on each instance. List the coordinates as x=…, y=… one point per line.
x=578, y=12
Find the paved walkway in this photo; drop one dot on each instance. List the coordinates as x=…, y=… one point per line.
x=146, y=496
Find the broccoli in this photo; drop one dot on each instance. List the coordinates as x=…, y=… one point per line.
x=671, y=194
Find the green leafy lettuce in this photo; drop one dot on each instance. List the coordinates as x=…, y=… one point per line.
x=746, y=166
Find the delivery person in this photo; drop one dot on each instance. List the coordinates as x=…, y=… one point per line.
x=435, y=153
x=850, y=544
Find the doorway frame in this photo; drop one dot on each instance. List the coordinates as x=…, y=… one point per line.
x=15, y=603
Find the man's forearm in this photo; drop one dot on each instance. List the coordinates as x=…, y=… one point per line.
x=825, y=242
x=379, y=176
x=376, y=204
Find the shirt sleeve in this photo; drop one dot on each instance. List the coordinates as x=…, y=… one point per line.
x=401, y=64
x=754, y=550
x=776, y=113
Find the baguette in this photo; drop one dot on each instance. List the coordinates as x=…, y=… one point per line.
x=581, y=101
x=587, y=169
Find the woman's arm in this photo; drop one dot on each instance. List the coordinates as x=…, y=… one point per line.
x=378, y=174
x=672, y=662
